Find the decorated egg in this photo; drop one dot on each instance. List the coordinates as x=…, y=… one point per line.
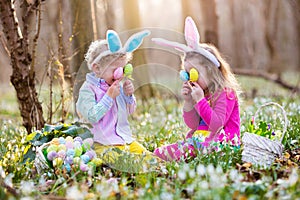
x=61, y=147
x=67, y=167
x=76, y=160
x=69, y=145
x=51, y=155
x=118, y=73
x=55, y=141
x=58, y=162
x=85, y=158
x=79, y=139
x=70, y=152
x=184, y=76
x=128, y=69
x=84, y=167
x=69, y=138
x=68, y=160
x=78, y=151
x=91, y=154
x=61, y=154
x=97, y=161
x=194, y=75
x=61, y=140
x=52, y=148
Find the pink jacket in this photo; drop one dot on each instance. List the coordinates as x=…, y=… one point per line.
x=222, y=117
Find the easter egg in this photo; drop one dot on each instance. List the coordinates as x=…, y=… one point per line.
x=61, y=140
x=61, y=154
x=69, y=145
x=55, y=141
x=85, y=158
x=70, y=152
x=51, y=155
x=84, y=167
x=128, y=69
x=91, y=154
x=184, y=76
x=78, y=151
x=52, y=148
x=79, y=139
x=68, y=160
x=69, y=138
x=76, y=160
x=58, y=162
x=194, y=75
x=61, y=147
x=67, y=167
x=118, y=73
x=77, y=144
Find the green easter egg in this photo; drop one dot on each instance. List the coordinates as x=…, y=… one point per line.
x=77, y=151
x=128, y=69
x=52, y=147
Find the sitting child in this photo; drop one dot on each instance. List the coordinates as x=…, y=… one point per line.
x=210, y=92
x=104, y=101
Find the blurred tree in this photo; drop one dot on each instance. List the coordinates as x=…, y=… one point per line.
x=82, y=30
x=22, y=58
x=132, y=21
x=207, y=20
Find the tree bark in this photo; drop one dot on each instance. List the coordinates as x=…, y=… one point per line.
x=22, y=78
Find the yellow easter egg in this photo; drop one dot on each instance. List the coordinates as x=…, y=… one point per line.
x=194, y=75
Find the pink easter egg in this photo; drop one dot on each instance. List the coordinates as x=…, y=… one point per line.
x=118, y=73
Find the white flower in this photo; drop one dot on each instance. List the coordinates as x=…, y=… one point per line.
x=74, y=193
x=26, y=187
x=233, y=174
x=192, y=173
x=210, y=169
x=293, y=177
x=204, y=185
x=201, y=170
x=166, y=196
x=181, y=174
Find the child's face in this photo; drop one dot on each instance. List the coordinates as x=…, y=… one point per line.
x=107, y=72
x=203, y=80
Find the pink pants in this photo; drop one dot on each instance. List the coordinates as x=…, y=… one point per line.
x=173, y=152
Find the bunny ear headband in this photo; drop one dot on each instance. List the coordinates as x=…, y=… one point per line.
x=192, y=39
x=115, y=45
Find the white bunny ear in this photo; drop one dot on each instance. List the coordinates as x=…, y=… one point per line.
x=135, y=41
x=191, y=33
x=175, y=45
x=113, y=40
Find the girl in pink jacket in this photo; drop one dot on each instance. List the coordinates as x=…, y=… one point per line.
x=210, y=92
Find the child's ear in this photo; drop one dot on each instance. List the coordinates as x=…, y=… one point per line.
x=191, y=33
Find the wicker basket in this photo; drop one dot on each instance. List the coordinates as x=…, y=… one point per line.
x=40, y=161
x=260, y=150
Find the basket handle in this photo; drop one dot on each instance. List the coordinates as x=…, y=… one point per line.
x=283, y=112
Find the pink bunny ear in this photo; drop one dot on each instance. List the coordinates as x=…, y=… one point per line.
x=191, y=33
x=175, y=45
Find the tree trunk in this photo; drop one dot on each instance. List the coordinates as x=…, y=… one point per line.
x=210, y=21
x=22, y=78
x=132, y=21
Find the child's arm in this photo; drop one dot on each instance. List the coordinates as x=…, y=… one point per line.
x=191, y=118
x=127, y=93
x=216, y=117
x=89, y=108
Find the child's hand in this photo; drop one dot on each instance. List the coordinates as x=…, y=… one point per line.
x=128, y=88
x=114, y=90
x=186, y=92
x=197, y=92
